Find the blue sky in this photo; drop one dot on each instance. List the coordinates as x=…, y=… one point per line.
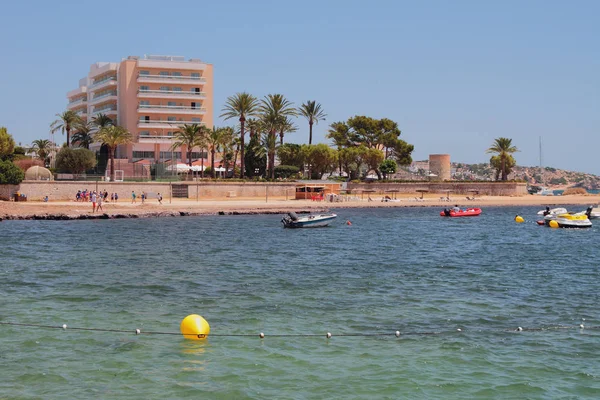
x=453, y=74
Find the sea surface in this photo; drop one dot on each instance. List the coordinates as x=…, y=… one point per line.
x=405, y=269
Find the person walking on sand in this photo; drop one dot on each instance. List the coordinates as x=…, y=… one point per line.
x=99, y=203
x=94, y=198
x=133, y=200
x=143, y=196
x=159, y=198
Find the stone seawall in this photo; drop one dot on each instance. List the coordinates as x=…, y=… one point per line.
x=458, y=187
x=56, y=190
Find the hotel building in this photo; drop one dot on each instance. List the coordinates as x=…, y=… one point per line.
x=151, y=97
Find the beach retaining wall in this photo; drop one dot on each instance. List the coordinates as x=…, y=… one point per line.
x=37, y=190
x=458, y=187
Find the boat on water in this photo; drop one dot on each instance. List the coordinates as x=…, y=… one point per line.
x=467, y=212
x=553, y=211
x=292, y=220
x=591, y=212
x=568, y=220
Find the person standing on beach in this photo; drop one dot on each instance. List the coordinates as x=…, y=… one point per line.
x=143, y=197
x=116, y=197
x=133, y=200
x=94, y=198
x=159, y=198
x=99, y=201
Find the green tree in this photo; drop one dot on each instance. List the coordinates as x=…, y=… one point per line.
x=255, y=157
x=503, y=148
x=10, y=174
x=496, y=164
x=338, y=133
x=82, y=136
x=321, y=158
x=100, y=121
x=313, y=112
x=240, y=106
x=7, y=144
x=291, y=154
x=113, y=136
x=388, y=167
x=351, y=160
x=75, y=161
x=286, y=171
x=65, y=122
x=215, y=140
x=43, y=148
x=373, y=158
x=269, y=142
x=274, y=109
x=190, y=136
x=286, y=125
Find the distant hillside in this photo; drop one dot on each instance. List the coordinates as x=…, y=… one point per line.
x=533, y=175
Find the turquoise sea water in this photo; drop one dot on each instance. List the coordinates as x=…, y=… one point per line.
x=392, y=269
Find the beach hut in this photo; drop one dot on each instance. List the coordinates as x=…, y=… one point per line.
x=316, y=189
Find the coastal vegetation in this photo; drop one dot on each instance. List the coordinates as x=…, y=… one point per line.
x=111, y=137
x=75, y=161
x=65, y=123
x=7, y=143
x=503, y=161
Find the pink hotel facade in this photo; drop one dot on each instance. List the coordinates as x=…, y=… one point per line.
x=151, y=97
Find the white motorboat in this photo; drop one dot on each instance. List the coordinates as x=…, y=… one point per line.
x=591, y=212
x=553, y=211
x=292, y=220
x=567, y=221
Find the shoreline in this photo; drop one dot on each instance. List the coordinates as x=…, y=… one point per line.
x=72, y=210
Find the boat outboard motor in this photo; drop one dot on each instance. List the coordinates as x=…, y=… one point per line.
x=293, y=216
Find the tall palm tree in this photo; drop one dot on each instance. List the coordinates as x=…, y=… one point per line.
x=274, y=109
x=82, y=136
x=215, y=141
x=241, y=106
x=269, y=143
x=312, y=111
x=504, y=149
x=113, y=136
x=189, y=136
x=65, y=122
x=286, y=126
x=100, y=121
x=42, y=148
x=255, y=126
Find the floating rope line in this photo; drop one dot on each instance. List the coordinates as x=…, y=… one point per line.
x=328, y=335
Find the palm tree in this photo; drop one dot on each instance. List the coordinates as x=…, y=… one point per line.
x=64, y=123
x=189, y=136
x=312, y=111
x=255, y=126
x=275, y=108
x=241, y=106
x=82, y=136
x=113, y=136
x=269, y=143
x=504, y=149
x=214, y=141
x=286, y=126
x=101, y=121
x=42, y=148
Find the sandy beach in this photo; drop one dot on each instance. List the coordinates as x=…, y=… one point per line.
x=177, y=207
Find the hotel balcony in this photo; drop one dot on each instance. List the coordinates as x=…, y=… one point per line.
x=160, y=124
x=183, y=80
x=103, y=83
x=79, y=103
x=157, y=109
x=110, y=110
x=104, y=98
x=154, y=138
x=170, y=94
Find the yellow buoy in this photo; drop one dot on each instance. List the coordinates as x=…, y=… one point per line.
x=519, y=219
x=553, y=224
x=194, y=327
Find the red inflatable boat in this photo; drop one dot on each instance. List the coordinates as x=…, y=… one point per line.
x=468, y=212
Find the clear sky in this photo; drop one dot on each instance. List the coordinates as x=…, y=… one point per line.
x=453, y=74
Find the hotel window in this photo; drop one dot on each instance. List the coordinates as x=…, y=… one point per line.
x=171, y=119
x=144, y=133
x=196, y=120
x=144, y=88
x=176, y=74
x=177, y=89
x=144, y=104
x=171, y=103
x=196, y=90
x=195, y=75
x=143, y=154
x=170, y=133
x=144, y=72
x=164, y=73
x=194, y=105
x=145, y=119
x=165, y=88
